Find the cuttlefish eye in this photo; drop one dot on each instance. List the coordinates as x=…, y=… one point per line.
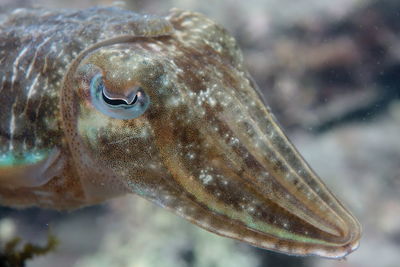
x=126, y=106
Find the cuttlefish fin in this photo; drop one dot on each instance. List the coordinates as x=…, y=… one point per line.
x=33, y=174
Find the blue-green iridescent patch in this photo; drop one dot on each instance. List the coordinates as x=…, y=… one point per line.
x=10, y=159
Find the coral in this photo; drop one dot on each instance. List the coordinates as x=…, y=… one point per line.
x=12, y=257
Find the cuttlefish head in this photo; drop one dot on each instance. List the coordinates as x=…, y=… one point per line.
x=176, y=119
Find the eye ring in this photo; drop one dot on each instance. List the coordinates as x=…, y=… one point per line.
x=116, y=107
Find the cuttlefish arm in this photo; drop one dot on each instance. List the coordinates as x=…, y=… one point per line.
x=177, y=120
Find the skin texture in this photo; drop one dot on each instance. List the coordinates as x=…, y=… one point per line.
x=206, y=147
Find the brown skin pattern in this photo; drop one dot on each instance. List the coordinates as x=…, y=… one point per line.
x=206, y=147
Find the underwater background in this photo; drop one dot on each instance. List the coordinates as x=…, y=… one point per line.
x=330, y=70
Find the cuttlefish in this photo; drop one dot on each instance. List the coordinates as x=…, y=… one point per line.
x=103, y=102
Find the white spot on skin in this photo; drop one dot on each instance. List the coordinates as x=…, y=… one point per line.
x=205, y=177
x=154, y=47
x=233, y=141
x=180, y=211
x=152, y=166
x=191, y=155
x=205, y=97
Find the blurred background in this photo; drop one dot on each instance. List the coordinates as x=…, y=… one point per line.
x=330, y=71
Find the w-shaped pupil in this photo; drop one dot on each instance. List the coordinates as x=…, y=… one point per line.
x=118, y=102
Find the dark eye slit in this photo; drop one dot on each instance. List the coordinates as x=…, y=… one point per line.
x=118, y=102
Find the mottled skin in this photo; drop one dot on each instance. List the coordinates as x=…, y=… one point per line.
x=206, y=148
